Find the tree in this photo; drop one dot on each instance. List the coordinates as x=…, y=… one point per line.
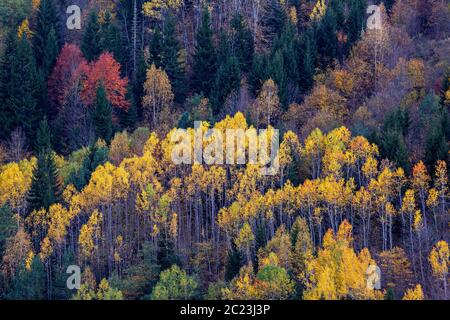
x=172, y=60
x=69, y=64
x=102, y=115
x=273, y=20
x=45, y=188
x=90, y=45
x=158, y=94
x=227, y=80
x=45, y=39
x=175, y=284
x=205, y=61
x=242, y=43
x=439, y=260
x=414, y=294
x=267, y=105
x=23, y=89
x=105, y=71
x=110, y=39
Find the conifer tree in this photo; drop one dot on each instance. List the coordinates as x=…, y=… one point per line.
x=102, y=115
x=242, y=43
x=45, y=187
x=109, y=37
x=90, y=45
x=205, y=62
x=23, y=89
x=172, y=60
x=46, y=40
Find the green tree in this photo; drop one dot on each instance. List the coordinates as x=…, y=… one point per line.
x=45, y=187
x=90, y=44
x=23, y=90
x=102, y=115
x=172, y=60
x=175, y=284
x=45, y=38
x=29, y=283
x=205, y=61
x=243, y=47
x=110, y=39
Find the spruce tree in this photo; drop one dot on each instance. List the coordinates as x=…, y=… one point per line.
x=307, y=61
x=172, y=60
x=327, y=42
x=110, y=39
x=45, y=39
x=90, y=45
x=45, y=187
x=23, y=90
x=273, y=20
x=205, y=62
x=102, y=115
x=6, y=111
x=242, y=43
x=228, y=78
x=155, y=47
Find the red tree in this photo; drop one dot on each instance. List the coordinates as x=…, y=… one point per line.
x=69, y=66
x=105, y=70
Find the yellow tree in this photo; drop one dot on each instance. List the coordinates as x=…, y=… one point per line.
x=338, y=272
x=158, y=94
x=439, y=260
x=414, y=294
x=266, y=108
x=420, y=182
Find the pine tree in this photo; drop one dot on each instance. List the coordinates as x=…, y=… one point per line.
x=228, y=78
x=205, y=62
x=273, y=20
x=242, y=43
x=102, y=115
x=307, y=61
x=155, y=47
x=327, y=42
x=46, y=40
x=109, y=38
x=23, y=89
x=45, y=187
x=172, y=60
x=6, y=112
x=90, y=45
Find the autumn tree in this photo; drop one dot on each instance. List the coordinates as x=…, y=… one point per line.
x=439, y=260
x=158, y=94
x=175, y=284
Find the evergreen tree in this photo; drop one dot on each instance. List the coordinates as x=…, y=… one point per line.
x=234, y=263
x=155, y=47
x=90, y=45
x=110, y=39
x=23, y=90
x=205, y=62
x=327, y=42
x=6, y=111
x=102, y=115
x=278, y=74
x=259, y=73
x=273, y=20
x=172, y=60
x=8, y=226
x=139, y=78
x=307, y=61
x=45, y=187
x=228, y=78
x=29, y=284
x=242, y=44
x=45, y=39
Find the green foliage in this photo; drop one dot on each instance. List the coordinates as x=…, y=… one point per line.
x=90, y=45
x=102, y=115
x=275, y=283
x=8, y=226
x=234, y=263
x=110, y=39
x=45, y=38
x=243, y=47
x=12, y=12
x=29, y=284
x=45, y=188
x=175, y=284
x=205, y=60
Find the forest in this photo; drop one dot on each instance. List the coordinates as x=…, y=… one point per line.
x=92, y=94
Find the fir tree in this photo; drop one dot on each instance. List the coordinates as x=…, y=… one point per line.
x=273, y=20
x=242, y=43
x=172, y=60
x=228, y=78
x=205, y=62
x=45, y=187
x=110, y=39
x=90, y=45
x=102, y=115
x=23, y=90
x=307, y=61
x=46, y=40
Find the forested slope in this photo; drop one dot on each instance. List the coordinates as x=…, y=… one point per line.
x=88, y=120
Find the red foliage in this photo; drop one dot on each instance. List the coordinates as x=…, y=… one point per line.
x=68, y=68
x=105, y=70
